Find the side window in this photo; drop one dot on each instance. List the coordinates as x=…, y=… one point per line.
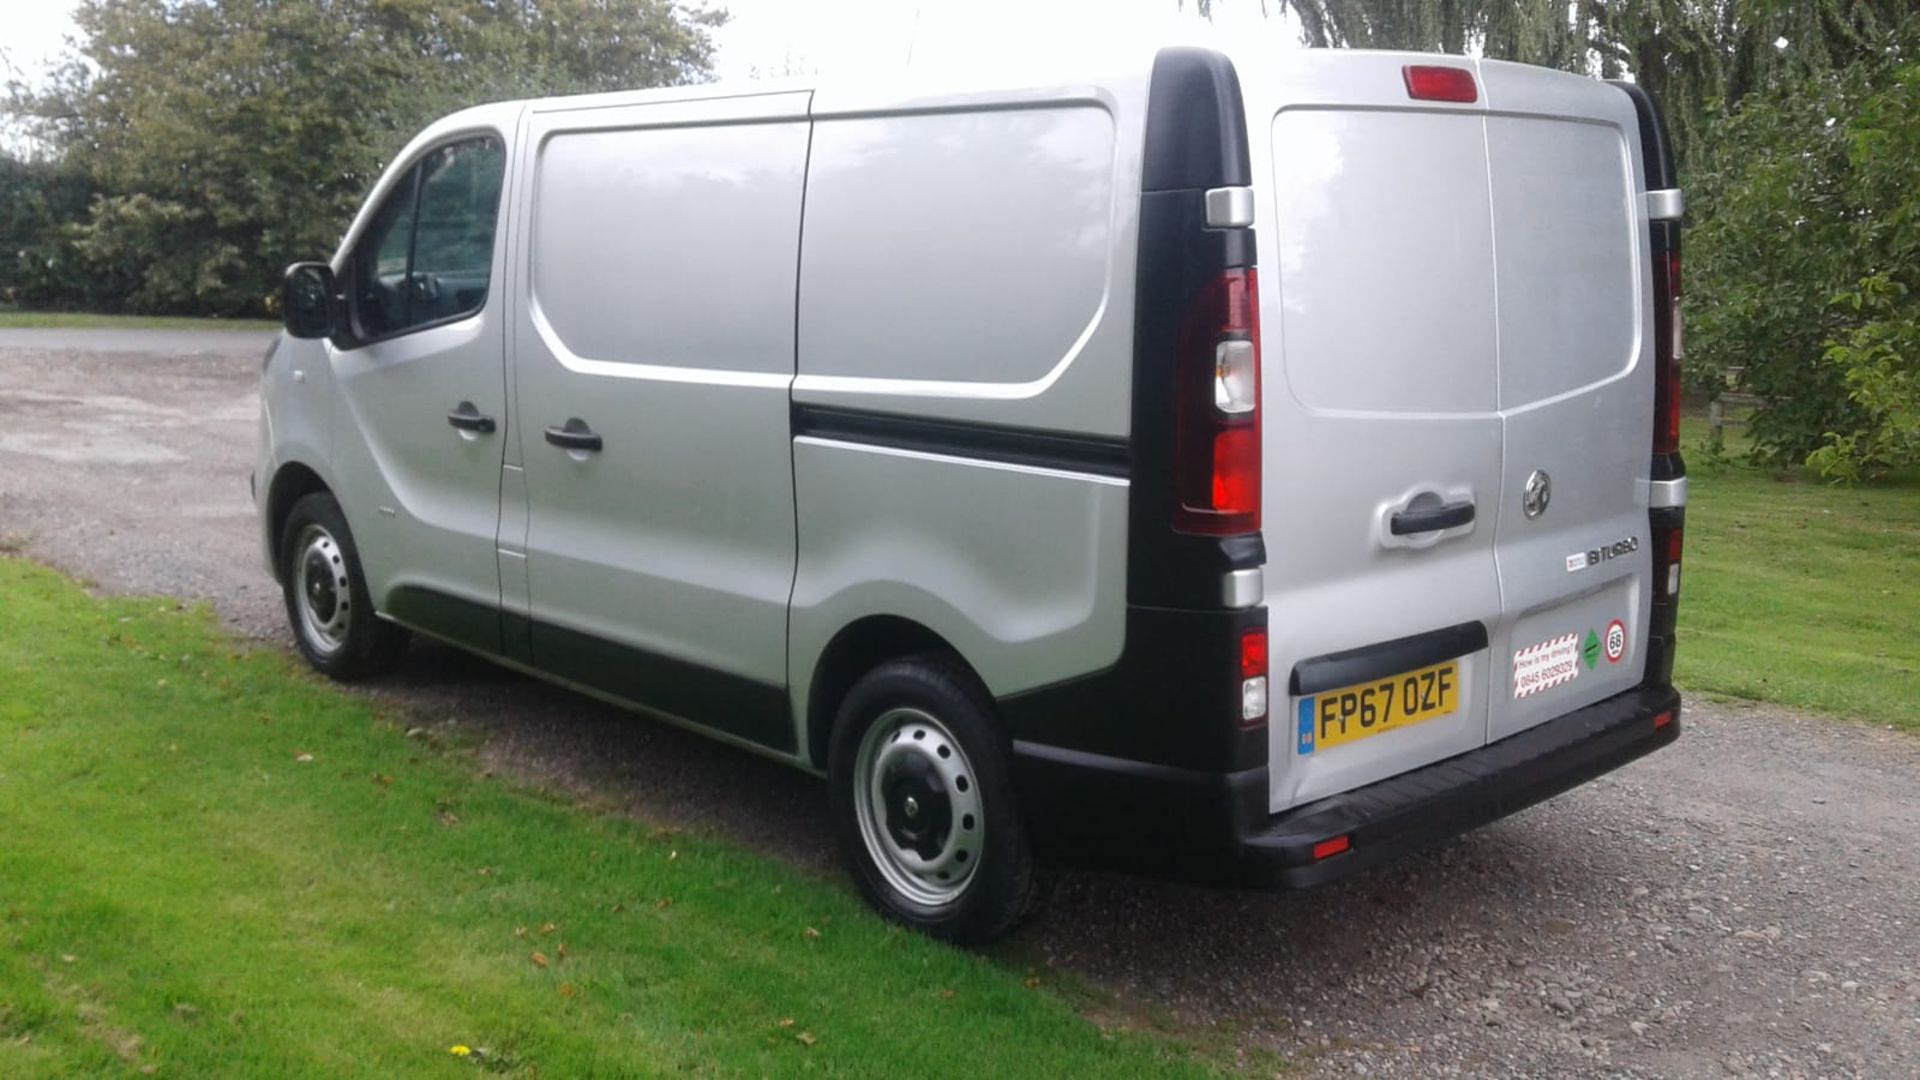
x=379, y=265
x=428, y=255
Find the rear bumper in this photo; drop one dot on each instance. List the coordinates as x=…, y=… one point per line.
x=1214, y=827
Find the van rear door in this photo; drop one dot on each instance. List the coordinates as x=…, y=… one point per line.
x=1453, y=328
x=1575, y=391
x=1383, y=434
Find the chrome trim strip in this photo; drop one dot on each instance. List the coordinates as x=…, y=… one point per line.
x=1243, y=588
x=1664, y=493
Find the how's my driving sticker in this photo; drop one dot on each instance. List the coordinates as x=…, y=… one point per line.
x=1548, y=664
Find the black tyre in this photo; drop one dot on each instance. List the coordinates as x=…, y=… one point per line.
x=333, y=621
x=923, y=802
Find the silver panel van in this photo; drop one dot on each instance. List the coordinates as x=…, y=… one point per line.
x=1245, y=471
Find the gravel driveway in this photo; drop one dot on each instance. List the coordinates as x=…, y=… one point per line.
x=1745, y=903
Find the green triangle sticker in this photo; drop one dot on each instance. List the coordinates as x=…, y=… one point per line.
x=1590, y=649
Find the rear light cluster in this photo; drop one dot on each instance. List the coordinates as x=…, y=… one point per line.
x=1216, y=422
x=1666, y=561
x=1253, y=677
x=1666, y=353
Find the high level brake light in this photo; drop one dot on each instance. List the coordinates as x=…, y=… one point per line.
x=1216, y=400
x=1436, y=82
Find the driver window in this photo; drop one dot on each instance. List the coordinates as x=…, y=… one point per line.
x=428, y=255
x=379, y=267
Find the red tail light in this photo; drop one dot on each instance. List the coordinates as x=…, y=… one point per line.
x=1432, y=82
x=1666, y=353
x=1253, y=677
x=1216, y=400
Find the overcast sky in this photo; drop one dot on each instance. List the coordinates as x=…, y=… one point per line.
x=776, y=38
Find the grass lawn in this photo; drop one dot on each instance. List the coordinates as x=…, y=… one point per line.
x=32, y=320
x=213, y=864
x=1798, y=592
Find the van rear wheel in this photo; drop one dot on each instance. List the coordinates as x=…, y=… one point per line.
x=332, y=615
x=923, y=802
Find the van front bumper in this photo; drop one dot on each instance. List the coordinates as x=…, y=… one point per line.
x=1214, y=827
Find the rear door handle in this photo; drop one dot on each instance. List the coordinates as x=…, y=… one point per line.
x=468, y=418
x=1433, y=519
x=574, y=435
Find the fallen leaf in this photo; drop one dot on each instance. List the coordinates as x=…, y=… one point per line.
x=383, y=779
x=561, y=952
x=449, y=819
x=303, y=756
x=519, y=931
x=811, y=933
x=68, y=958
x=663, y=903
x=567, y=989
x=672, y=855
x=786, y=1021
x=1032, y=981
x=485, y=871
x=806, y=1038
x=539, y=958
x=547, y=928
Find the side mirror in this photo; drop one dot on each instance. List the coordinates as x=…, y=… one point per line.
x=308, y=300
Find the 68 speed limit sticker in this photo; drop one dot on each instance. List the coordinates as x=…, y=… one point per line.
x=1616, y=641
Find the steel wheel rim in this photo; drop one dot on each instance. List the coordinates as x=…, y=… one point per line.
x=322, y=594
x=918, y=803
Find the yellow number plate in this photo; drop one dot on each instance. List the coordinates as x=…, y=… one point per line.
x=1351, y=713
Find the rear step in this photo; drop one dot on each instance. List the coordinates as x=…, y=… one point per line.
x=1345, y=833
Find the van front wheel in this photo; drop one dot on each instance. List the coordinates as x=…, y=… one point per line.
x=333, y=620
x=923, y=802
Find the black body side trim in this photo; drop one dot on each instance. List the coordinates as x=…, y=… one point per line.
x=1654, y=147
x=457, y=619
x=1371, y=662
x=1178, y=257
x=1172, y=699
x=756, y=711
x=1196, y=123
x=1017, y=446
x=1215, y=826
x=1661, y=173
x=1662, y=633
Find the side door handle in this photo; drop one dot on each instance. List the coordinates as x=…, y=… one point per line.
x=467, y=418
x=1431, y=519
x=574, y=435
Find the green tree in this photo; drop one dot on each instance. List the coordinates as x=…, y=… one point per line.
x=226, y=138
